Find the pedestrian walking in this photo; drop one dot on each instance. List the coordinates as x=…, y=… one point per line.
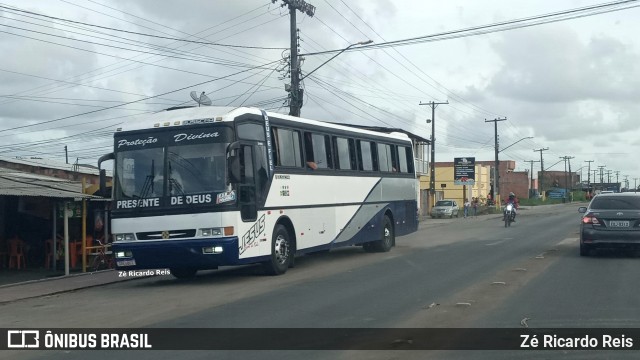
x=467, y=206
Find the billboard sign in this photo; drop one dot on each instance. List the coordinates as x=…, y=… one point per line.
x=464, y=172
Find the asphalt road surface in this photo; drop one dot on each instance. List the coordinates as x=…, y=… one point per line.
x=458, y=273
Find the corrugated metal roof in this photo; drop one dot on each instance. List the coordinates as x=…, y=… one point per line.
x=52, y=164
x=18, y=183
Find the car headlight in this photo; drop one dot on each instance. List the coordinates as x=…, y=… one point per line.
x=124, y=254
x=124, y=237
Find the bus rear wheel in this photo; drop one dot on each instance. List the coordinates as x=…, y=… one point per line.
x=281, y=253
x=388, y=238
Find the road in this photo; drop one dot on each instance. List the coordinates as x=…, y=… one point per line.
x=460, y=273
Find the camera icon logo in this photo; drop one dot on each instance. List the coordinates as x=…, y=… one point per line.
x=23, y=339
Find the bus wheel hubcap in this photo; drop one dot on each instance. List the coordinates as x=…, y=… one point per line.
x=281, y=249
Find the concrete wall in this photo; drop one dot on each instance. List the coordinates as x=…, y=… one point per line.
x=446, y=189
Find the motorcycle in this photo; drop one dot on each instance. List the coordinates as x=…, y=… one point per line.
x=509, y=214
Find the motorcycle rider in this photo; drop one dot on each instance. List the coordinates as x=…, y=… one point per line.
x=513, y=200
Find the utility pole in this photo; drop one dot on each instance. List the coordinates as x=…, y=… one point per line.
x=635, y=184
x=609, y=176
x=295, y=92
x=588, y=173
x=571, y=182
x=66, y=154
x=566, y=181
x=541, y=169
x=601, y=167
x=626, y=182
x=617, y=174
x=531, y=176
x=496, y=170
x=432, y=176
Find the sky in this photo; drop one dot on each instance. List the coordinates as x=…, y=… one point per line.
x=68, y=77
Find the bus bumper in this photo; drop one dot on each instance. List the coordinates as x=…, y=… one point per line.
x=200, y=254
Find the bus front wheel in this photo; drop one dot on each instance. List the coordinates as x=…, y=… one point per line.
x=183, y=273
x=280, y=252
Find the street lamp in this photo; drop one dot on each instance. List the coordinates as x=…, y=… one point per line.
x=296, y=92
x=432, y=164
x=366, y=42
x=524, y=138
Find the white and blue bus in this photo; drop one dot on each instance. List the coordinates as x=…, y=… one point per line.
x=201, y=187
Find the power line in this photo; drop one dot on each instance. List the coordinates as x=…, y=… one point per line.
x=501, y=26
x=447, y=92
x=142, y=34
x=164, y=26
x=135, y=101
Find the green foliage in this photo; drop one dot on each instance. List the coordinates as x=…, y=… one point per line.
x=578, y=196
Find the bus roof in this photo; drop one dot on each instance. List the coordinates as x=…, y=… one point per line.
x=175, y=118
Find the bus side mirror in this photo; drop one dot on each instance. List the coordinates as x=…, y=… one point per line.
x=233, y=163
x=103, y=173
x=103, y=182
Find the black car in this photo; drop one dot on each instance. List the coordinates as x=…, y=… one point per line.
x=610, y=221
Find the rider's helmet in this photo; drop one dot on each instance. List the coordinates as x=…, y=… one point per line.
x=512, y=195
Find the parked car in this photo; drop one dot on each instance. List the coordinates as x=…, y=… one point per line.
x=610, y=221
x=445, y=208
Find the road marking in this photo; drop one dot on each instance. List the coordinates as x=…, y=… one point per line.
x=495, y=243
x=568, y=241
x=498, y=242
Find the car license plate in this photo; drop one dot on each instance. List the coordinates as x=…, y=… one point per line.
x=618, y=223
x=126, y=263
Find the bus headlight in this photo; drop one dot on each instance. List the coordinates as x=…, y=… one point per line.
x=124, y=237
x=211, y=232
x=218, y=231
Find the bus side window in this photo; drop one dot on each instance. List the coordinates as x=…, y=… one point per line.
x=395, y=167
x=365, y=155
x=405, y=158
x=287, y=149
x=383, y=157
x=374, y=156
x=344, y=159
x=317, y=153
x=352, y=154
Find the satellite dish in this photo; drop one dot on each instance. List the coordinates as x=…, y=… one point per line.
x=202, y=99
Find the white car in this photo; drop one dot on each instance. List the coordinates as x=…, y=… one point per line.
x=445, y=208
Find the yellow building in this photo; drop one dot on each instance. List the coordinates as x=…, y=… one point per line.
x=446, y=189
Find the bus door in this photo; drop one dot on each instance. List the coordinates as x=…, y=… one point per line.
x=247, y=168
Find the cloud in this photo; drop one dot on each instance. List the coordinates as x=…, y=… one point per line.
x=553, y=64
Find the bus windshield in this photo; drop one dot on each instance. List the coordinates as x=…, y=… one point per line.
x=172, y=173
x=194, y=169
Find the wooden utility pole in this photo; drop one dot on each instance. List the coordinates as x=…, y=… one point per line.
x=531, y=176
x=541, y=169
x=588, y=172
x=432, y=176
x=601, y=167
x=496, y=170
x=295, y=92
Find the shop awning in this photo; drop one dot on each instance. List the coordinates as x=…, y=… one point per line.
x=16, y=183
